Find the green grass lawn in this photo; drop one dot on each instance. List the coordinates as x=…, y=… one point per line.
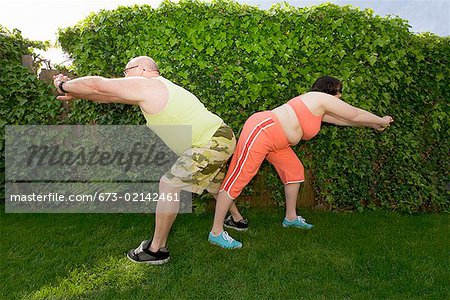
x=347, y=255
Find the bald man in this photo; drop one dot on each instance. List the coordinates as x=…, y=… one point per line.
x=164, y=103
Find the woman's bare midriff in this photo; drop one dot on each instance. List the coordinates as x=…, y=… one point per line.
x=289, y=123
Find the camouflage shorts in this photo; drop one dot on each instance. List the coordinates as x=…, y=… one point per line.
x=204, y=167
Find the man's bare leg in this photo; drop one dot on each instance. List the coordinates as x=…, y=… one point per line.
x=166, y=213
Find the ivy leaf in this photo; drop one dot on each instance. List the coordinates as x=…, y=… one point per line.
x=372, y=59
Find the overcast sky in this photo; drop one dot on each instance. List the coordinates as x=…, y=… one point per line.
x=39, y=20
x=423, y=15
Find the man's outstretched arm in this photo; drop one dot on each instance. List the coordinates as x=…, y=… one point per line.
x=99, y=89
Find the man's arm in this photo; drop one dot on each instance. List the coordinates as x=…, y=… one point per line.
x=94, y=98
x=95, y=88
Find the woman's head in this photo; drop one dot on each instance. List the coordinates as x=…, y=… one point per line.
x=329, y=85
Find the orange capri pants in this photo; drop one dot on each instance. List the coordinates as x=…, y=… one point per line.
x=261, y=138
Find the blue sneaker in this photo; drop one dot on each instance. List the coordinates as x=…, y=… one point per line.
x=224, y=240
x=299, y=222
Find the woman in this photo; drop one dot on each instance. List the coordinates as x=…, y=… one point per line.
x=270, y=135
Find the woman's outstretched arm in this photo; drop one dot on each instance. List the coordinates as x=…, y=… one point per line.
x=339, y=112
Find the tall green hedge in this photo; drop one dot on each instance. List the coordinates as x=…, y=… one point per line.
x=24, y=100
x=239, y=59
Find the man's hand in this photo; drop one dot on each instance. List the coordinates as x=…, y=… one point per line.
x=57, y=79
x=66, y=97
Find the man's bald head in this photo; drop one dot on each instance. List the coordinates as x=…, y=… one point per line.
x=147, y=64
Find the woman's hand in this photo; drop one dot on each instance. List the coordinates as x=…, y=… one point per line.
x=386, y=121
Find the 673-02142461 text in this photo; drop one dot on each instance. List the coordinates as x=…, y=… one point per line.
x=101, y=197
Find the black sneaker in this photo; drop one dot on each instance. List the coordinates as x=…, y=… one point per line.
x=241, y=225
x=143, y=255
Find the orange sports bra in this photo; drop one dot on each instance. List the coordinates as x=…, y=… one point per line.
x=310, y=123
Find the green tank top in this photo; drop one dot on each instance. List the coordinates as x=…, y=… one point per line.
x=183, y=108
